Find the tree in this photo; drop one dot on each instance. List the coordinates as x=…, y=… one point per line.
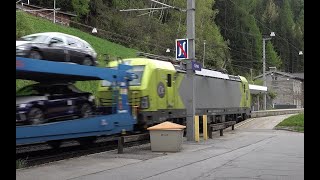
x=272, y=58
x=232, y=29
x=81, y=7
x=271, y=13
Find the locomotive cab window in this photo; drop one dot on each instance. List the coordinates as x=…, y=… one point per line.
x=138, y=70
x=169, y=80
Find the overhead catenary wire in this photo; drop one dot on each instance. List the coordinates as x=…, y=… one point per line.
x=173, y=7
x=118, y=36
x=125, y=39
x=256, y=35
x=144, y=9
x=278, y=34
x=282, y=39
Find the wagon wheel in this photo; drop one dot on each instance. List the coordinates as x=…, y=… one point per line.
x=35, y=55
x=86, y=110
x=86, y=141
x=54, y=144
x=245, y=116
x=87, y=62
x=36, y=116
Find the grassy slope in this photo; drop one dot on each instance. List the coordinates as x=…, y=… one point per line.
x=295, y=122
x=102, y=46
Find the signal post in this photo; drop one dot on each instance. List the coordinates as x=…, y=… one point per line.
x=190, y=72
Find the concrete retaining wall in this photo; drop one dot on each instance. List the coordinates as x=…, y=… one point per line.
x=275, y=112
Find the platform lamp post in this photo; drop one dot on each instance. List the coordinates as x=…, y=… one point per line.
x=264, y=39
x=204, y=52
x=302, y=88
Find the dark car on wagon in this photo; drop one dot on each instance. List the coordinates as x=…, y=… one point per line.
x=55, y=46
x=40, y=103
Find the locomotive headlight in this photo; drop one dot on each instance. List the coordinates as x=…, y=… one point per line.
x=144, y=102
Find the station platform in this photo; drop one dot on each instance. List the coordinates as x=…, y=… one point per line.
x=239, y=154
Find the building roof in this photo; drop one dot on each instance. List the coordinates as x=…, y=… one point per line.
x=299, y=76
x=256, y=89
x=167, y=126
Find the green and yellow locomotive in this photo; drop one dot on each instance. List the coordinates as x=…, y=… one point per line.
x=160, y=93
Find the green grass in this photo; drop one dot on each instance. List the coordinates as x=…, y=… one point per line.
x=295, y=123
x=28, y=24
x=20, y=163
x=102, y=46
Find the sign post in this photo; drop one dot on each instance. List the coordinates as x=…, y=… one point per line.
x=190, y=106
x=182, y=46
x=185, y=49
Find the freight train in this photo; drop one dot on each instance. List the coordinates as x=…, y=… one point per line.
x=157, y=92
x=160, y=93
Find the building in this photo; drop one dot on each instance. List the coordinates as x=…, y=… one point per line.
x=288, y=89
x=255, y=92
x=61, y=17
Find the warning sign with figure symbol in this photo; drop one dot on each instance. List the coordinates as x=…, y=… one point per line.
x=182, y=49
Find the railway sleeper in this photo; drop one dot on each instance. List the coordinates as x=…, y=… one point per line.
x=122, y=140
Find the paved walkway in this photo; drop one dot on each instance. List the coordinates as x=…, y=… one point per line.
x=245, y=153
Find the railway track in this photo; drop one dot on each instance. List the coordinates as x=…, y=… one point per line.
x=42, y=153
